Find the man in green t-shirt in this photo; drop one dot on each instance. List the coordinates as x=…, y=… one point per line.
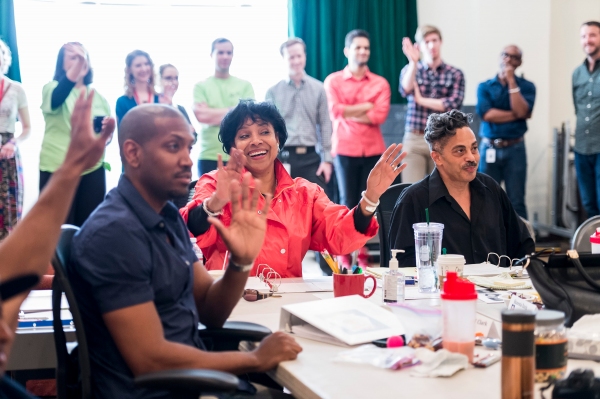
x=213, y=98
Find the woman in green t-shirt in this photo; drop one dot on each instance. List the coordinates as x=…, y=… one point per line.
x=72, y=75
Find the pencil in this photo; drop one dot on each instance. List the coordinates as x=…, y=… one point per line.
x=330, y=262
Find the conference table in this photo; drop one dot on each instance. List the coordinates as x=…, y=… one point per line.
x=314, y=374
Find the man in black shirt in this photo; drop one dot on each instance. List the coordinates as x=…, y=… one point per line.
x=477, y=215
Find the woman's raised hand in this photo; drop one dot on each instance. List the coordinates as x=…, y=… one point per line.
x=385, y=172
x=245, y=234
x=79, y=69
x=225, y=175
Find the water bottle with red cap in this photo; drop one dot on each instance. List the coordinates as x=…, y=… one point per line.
x=458, y=311
x=595, y=241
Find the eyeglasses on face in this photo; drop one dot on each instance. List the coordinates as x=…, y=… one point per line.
x=171, y=78
x=514, y=57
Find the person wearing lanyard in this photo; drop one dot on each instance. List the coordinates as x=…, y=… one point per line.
x=139, y=83
x=73, y=75
x=12, y=102
x=504, y=104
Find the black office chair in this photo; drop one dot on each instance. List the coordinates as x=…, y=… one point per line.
x=73, y=375
x=384, y=215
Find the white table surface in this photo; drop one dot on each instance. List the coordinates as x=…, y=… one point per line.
x=314, y=374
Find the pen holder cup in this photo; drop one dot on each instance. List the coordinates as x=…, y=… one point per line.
x=352, y=284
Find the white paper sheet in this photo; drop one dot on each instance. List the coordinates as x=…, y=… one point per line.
x=485, y=269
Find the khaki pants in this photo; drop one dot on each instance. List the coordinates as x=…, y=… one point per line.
x=418, y=159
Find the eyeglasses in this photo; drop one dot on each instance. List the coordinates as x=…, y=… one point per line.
x=171, y=78
x=514, y=57
x=495, y=259
x=269, y=276
x=252, y=295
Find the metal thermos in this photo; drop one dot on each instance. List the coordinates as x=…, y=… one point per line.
x=518, y=354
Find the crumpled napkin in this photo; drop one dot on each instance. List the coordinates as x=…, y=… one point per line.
x=438, y=364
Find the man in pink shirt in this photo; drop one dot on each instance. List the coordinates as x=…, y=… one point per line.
x=359, y=102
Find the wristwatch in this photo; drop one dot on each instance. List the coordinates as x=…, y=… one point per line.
x=239, y=268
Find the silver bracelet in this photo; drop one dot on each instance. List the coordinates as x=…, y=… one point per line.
x=364, y=196
x=209, y=213
x=515, y=90
x=238, y=268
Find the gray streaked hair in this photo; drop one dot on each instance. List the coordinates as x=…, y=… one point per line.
x=440, y=127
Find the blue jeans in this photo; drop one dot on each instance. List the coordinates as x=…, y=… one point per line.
x=588, y=179
x=511, y=168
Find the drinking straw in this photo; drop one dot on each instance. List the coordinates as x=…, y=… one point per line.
x=429, y=240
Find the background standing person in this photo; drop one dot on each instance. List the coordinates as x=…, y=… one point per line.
x=169, y=83
x=139, y=83
x=504, y=104
x=12, y=103
x=586, y=96
x=430, y=85
x=213, y=98
x=72, y=76
x=359, y=102
x=302, y=102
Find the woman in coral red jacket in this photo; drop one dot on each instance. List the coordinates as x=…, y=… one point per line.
x=301, y=217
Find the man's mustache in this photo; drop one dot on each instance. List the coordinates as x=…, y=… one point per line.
x=470, y=164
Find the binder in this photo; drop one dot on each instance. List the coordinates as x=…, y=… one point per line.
x=346, y=321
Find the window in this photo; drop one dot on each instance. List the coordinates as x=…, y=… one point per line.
x=171, y=31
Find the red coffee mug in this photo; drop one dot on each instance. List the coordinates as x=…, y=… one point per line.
x=352, y=284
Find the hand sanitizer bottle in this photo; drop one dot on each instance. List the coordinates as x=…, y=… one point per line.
x=393, y=281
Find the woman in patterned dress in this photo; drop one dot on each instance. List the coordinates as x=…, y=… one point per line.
x=12, y=103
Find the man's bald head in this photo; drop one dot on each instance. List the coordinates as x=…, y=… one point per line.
x=514, y=48
x=144, y=122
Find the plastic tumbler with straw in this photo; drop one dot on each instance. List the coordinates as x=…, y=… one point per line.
x=428, y=246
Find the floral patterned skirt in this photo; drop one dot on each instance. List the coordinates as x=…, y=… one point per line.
x=11, y=190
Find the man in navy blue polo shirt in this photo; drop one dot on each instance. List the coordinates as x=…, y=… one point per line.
x=504, y=104
x=141, y=289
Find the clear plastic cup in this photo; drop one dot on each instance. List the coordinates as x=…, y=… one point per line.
x=428, y=247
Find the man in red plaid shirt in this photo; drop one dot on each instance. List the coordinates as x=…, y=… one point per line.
x=431, y=86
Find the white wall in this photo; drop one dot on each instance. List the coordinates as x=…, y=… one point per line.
x=170, y=34
x=474, y=33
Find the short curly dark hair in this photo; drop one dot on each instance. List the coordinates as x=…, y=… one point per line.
x=255, y=111
x=440, y=127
